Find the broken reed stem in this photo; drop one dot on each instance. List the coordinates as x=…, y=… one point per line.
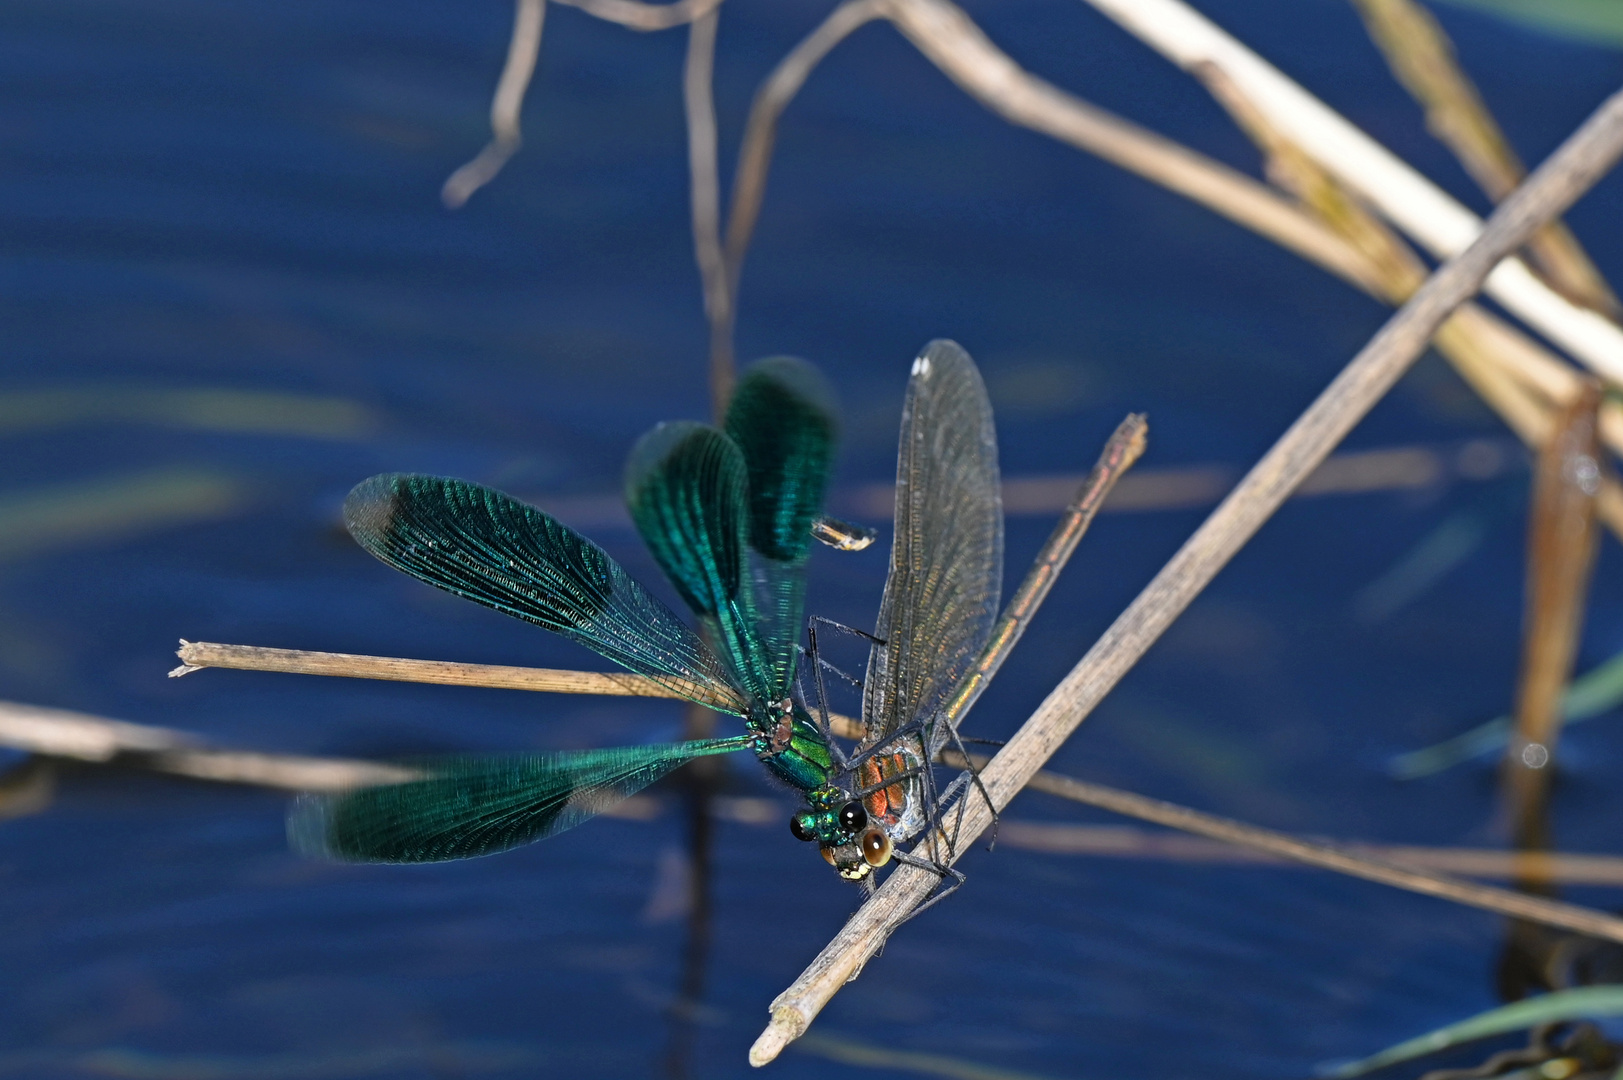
x=1124, y=447
x=1560, y=555
x=522, y=51
x=1360, y=865
x=1580, y=161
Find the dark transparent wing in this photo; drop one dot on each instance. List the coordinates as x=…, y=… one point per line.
x=481, y=805
x=946, y=560
x=497, y=551
x=686, y=487
x=782, y=417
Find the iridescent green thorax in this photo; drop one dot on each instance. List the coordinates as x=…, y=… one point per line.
x=804, y=762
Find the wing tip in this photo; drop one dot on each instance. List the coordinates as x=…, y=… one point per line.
x=371, y=506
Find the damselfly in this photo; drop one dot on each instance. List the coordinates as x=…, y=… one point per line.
x=727, y=514
x=940, y=603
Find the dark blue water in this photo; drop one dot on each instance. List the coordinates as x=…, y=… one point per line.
x=242, y=199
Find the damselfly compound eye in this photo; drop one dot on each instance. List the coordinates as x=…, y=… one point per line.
x=801, y=826
x=853, y=816
x=828, y=855
x=876, y=847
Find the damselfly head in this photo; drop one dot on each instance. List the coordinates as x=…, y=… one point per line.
x=848, y=860
x=858, y=859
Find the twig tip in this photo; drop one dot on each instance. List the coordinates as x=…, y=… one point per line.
x=787, y=1025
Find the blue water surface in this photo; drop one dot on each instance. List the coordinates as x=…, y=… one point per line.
x=228, y=291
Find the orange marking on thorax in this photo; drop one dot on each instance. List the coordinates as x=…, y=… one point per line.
x=887, y=803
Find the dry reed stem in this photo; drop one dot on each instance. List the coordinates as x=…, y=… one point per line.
x=634, y=15
x=506, y=138
x=197, y=655
x=523, y=48
x=63, y=734
x=1422, y=58
x=1580, y=161
x=1405, y=197
x=1133, y=842
x=1359, y=864
x=59, y=733
x=1477, y=342
x=949, y=39
x=760, y=130
x=1490, y=355
x=705, y=201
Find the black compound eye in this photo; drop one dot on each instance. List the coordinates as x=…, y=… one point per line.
x=800, y=825
x=853, y=816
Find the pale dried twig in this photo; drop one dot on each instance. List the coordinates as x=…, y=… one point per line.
x=1359, y=864
x=1133, y=842
x=704, y=186
x=634, y=15
x=79, y=736
x=506, y=138
x=1570, y=171
x=197, y=655
x=951, y=41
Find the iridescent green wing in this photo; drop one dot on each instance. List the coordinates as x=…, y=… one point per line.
x=494, y=550
x=685, y=486
x=471, y=806
x=782, y=418
x=946, y=558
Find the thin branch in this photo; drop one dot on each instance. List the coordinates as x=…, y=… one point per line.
x=1416, y=205
x=197, y=655
x=635, y=15
x=951, y=41
x=522, y=51
x=58, y=733
x=1132, y=842
x=63, y=734
x=1422, y=57
x=760, y=130
x=705, y=199
x=1570, y=171
x=1124, y=447
x=1341, y=860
